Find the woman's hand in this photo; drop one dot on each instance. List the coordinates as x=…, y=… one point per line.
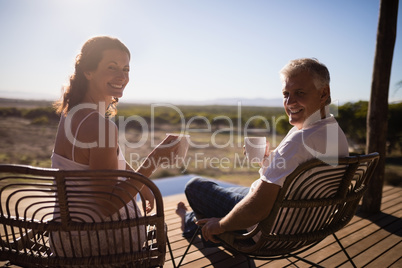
x=166, y=152
x=149, y=199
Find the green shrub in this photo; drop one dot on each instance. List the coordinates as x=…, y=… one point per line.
x=10, y=111
x=49, y=112
x=41, y=120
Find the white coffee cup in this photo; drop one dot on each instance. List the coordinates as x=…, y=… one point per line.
x=255, y=148
x=183, y=139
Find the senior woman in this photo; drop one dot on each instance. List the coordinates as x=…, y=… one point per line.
x=88, y=140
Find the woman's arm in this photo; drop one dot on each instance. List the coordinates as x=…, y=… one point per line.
x=164, y=153
x=105, y=156
x=145, y=192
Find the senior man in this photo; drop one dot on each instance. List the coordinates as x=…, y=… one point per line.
x=315, y=134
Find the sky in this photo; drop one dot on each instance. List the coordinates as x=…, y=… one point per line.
x=194, y=50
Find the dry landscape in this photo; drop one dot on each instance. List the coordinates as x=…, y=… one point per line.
x=23, y=142
x=30, y=142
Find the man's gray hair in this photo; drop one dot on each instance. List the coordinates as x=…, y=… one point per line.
x=317, y=70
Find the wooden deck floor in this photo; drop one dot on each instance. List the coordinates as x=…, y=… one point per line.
x=371, y=240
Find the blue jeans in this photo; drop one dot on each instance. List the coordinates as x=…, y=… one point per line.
x=208, y=199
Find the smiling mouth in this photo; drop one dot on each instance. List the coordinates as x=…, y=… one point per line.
x=295, y=111
x=116, y=86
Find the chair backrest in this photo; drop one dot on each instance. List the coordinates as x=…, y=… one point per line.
x=316, y=200
x=52, y=218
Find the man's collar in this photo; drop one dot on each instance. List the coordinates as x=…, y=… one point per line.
x=316, y=117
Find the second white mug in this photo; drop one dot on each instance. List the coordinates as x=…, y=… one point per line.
x=255, y=148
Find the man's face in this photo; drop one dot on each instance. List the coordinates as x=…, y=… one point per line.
x=301, y=98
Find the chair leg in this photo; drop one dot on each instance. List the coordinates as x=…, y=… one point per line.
x=170, y=250
x=248, y=261
x=189, y=245
x=344, y=250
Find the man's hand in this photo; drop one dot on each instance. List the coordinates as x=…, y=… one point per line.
x=211, y=227
x=267, y=151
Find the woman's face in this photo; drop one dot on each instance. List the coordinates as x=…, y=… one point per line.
x=111, y=76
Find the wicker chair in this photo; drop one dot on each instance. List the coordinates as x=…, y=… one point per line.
x=317, y=199
x=50, y=218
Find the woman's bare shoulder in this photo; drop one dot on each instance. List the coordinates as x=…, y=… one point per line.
x=100, y=129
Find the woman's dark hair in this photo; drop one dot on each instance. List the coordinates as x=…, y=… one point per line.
x=87, y=60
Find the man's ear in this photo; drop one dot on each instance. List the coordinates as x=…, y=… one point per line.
x=325, y=94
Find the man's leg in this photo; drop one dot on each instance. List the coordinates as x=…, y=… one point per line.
x=208, y=199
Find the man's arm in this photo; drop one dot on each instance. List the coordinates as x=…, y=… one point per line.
x=253, y=208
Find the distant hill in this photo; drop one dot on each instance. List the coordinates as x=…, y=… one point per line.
x=24, y=103
x=247, y=102
x=226, y=101
x=5, y=102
